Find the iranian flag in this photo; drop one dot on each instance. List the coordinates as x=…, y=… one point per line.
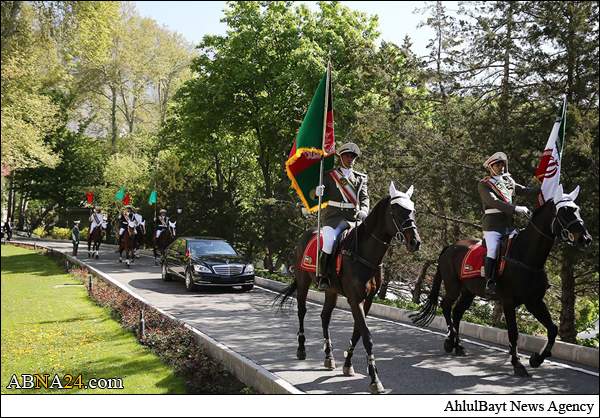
x=315, y=141
x=548, y=172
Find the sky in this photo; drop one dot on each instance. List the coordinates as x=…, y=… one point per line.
x=194, y=19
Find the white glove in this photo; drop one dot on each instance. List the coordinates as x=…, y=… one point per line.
x=320, y=190
x=524, y=210
x=361, y=215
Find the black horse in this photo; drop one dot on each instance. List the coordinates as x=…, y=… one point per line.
x=165, y=239
x=96, y=236
x=359, y=277
x=524, y=280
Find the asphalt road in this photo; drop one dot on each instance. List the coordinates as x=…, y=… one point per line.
x=410, y=360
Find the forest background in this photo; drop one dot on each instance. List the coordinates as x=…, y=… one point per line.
x=96, y=98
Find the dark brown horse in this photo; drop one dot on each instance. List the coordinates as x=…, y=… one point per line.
x=359, y=278
x=128, y=244
x=165, y=239
x=524, y=280
x=96, y=236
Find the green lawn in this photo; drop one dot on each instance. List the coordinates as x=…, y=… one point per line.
x=49, y=326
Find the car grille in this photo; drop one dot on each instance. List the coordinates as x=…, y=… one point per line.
x=228, y=269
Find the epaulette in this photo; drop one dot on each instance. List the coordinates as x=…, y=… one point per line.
x=360, y=174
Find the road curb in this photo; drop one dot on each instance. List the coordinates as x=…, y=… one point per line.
x=242, y=368
x=561, y=350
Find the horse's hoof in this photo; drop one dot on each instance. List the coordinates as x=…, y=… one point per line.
x=461, y=351
x=97, y=257
x=521, y=371
x=329, y=363
x=535, y=360
x=448, y=346
x=301, y=354
x=120, y=261
x=349, y=371
x=376, y=388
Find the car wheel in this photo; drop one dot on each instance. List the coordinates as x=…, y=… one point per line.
x=247, y=287
x=165, y=275
x=189, y=282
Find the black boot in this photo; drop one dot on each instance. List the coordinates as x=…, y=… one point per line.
x=490, y=275
x=323, y=274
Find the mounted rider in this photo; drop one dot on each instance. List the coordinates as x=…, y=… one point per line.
x=348, y=202
x=496, y=192
x=97, y=220
x=124, y=219
x=162, y=223
x=139, y=219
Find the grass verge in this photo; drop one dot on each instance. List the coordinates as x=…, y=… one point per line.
x=50, y=327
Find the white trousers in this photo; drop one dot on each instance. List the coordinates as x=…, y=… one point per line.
x=123, y=230
x=492, y=238
x=330, y=235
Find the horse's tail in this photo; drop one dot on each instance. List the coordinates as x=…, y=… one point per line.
x=427, y=312
x=283, y=303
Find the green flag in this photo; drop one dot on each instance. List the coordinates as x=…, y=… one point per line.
x=303, y=164
x=152, y=197
x=120, y=195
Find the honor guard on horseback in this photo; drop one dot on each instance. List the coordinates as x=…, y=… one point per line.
x=125, y=218
x=348, y=202
x=162, y=223
x=496, y=192
x=97, y=221
x=138, y=216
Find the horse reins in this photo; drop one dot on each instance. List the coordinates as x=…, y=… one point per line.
x=400, y=238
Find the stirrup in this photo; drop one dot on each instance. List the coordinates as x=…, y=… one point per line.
x=490, y=287
x=324, y=283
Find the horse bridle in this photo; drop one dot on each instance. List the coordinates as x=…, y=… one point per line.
x=400, y=235
x=566, y=235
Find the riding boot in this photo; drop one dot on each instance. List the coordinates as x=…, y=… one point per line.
x=323, y=275
x=490, y=275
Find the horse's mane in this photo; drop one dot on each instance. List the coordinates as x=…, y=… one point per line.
x=366, y=226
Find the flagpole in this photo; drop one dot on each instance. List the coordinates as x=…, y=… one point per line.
x=323, y=159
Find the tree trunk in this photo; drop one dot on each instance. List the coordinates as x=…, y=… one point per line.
x=113, y=119
x=10, y=196
x=419, y=284
x=497, y=314
x=567, y=331
x=39, y=221
x=387, y=275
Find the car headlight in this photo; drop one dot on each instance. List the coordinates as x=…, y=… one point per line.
x=199, y=268
x=249, y=269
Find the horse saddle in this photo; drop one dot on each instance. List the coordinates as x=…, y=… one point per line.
x=309, y=256
x=474, y=260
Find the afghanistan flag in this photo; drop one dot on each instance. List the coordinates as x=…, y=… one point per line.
x=548, y=172
x=315, y=141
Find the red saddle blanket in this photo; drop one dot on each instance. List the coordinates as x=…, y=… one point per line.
x=472, y=263
x=309, y=257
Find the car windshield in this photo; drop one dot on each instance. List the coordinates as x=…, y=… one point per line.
x=202, y=247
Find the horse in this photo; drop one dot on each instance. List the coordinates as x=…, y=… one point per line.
x=127, y=243
x=96, y=236
x=524, y=280
x=165, y=239
x=359, y=277
x=140, y=229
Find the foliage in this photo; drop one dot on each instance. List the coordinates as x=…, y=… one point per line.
x=60, y=233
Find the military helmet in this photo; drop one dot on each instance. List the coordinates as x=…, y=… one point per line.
x=76, y=222
x=497, y=157
x=348, y=147
x=97, y=208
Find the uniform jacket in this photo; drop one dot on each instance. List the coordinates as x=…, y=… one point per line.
x=124, y=221
x=332, y=215
x=492, y=198
x=160, y=225
x=75, y=233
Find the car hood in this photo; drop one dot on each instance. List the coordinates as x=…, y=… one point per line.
x=220, y=259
